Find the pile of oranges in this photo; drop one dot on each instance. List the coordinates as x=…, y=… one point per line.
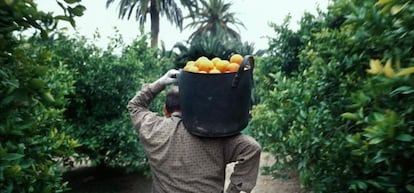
x=215, y=65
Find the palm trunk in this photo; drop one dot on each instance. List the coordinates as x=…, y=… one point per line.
x=155, y=23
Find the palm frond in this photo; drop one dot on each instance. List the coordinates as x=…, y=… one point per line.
x=215, y=18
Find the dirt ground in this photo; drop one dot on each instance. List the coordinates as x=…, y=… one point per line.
x=268, y=184
x=94, y=180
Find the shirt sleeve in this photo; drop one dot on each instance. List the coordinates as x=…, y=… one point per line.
x=143, y=119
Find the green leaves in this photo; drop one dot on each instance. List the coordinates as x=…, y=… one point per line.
x=77, y=10
x=344, y=117
x=409, y=188
x=32, y=102
x=405, y=137
x=351, y=116
x=105, y=82
x=403, y=90
x=12, y=156
x=70, y=11
x=72, y=1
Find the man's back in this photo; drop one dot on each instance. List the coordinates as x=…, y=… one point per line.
x=181, y=162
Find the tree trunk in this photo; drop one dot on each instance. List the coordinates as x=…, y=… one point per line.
x=155, y=23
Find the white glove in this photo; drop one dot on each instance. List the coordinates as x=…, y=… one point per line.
x=169, y=77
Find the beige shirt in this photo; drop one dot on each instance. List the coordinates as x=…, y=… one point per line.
x=181, y=162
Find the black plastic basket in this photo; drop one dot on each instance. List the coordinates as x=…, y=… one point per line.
x=217, y=105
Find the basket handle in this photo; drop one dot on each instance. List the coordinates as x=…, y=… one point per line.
x=248, y=62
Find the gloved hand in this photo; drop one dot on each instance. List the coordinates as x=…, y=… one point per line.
x=169, y=77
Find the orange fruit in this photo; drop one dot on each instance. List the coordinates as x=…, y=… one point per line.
x=205, y=65
x=190, y=63
x=222, y=65
x=215, y=65
x=236, y=58
x=215, y=60
x=199, y=60
x=202, y=58
x=214, y=71
x=232, y=67
x=193, y=69
x=186, y=68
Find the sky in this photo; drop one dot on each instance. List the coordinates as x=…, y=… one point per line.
x=254, y=15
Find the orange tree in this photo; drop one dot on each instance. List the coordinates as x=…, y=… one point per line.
x=105, y=81
x=32, y=99
x=343, y=117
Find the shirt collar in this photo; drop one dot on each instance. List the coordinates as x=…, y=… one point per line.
x=176, y=114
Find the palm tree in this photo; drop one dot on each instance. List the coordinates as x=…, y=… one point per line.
x=214, y=19
x=154, y=8
x=210, y=47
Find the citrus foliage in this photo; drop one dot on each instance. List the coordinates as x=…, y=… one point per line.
x=32, y=100
x=105, y=82
x=343, y=115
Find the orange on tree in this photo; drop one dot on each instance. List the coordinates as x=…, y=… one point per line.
x=236, y=58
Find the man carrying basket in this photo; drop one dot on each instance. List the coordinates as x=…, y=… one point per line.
x=185, y=163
